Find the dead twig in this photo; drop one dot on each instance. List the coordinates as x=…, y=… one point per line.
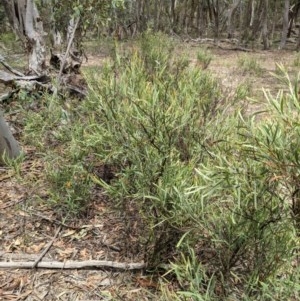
x=52, y=220
x=47, y=248
x=67, y=51
x=12, y=203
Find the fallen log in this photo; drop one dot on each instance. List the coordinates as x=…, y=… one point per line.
x=8, y=79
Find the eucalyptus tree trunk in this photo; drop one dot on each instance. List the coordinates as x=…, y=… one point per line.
x=293, y=13
x=285, y=25
x=173, y=14
x=216, y=9
x=156, y=14
x=27, y=24
x=231, y=11
x=8, y=144
x=265, y=25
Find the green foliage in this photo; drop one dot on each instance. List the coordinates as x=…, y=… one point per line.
x=204, y=58
x=189, y=177
x=15, y=164
x=245, y=230
x=155, y=115
x=56, y=131
x=7, y=38
x=9, y=45
x=249, y=65
x=276, y=143
x=297, y=60
x=70, y=185
x=212, y=191
x=243, y=90
x=91, y=13
x=156, y=50
x=48, y=126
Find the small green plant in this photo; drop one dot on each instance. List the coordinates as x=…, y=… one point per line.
x=243, y=90
x=49, y=125
x=249, y=65
x=14, y=164
x=204, y=58
x=156, y=51
x=8, y=40
x=296, y=62
x=70, y=186
x=60, y=126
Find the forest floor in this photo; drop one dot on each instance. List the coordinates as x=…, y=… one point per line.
x=27, y=225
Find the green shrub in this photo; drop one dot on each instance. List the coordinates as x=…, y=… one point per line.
x=276, y=143
x=151, y=121
x=204, y=58
x=296, y=62
x=56, y=131
x=245, y=231
x=70, y=185
x=212, y=191
x=249, y=65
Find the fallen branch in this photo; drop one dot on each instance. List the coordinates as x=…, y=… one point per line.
x=9, y=68
x=5, y=97
x=47, y=248
x=237, y=48
x=67, y=51
x=7, y=78
x=51, y=220
x=216, y=43
x=11, y=203
x=74, y=265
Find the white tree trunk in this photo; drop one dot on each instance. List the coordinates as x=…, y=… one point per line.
x=27, y=24
x=231, y=10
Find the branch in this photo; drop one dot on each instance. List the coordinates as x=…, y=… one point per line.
x=7, y=78
x=74, y=265
x=9, y=68
x=67, y=51
x=5, y=97
x=46, y=249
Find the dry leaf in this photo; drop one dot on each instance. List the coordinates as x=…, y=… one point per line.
x=36, y=248
x=146, y=282
x=65, y=253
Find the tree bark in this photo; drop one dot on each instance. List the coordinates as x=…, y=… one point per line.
x=27, y=24
x=231, y=11
x=293, y=13
x=285, y=25
x=265, y=26
x=8, y=145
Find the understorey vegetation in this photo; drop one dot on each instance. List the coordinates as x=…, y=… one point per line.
x=211, y=190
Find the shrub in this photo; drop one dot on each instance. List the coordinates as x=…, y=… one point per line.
x=204, y=58
x=248, y=64
x=152, y=119
x=245, y=233
x=212, y=191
